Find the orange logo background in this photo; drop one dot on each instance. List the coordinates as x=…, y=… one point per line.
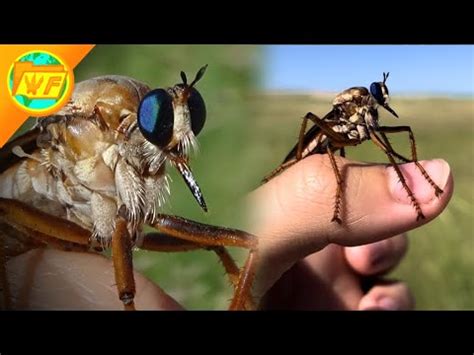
x=11, y=116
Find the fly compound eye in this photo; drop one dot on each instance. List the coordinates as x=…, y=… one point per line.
x=197, y=109
x=376, y=91
x=156, y=117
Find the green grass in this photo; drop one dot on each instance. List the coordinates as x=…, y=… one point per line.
x=439, y=266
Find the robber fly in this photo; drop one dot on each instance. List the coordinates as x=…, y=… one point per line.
x=353, y=119
x=92, y=175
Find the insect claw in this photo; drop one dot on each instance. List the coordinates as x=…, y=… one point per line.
x=336, y=219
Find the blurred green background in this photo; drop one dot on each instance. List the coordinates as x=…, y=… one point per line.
x=247, y=134
x=439, y=266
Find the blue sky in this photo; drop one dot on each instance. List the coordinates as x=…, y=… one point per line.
x=434, y=69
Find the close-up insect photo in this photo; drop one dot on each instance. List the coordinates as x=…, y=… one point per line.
x=238, y=177
x=94, y=178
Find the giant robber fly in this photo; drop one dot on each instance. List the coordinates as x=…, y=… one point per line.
x=92, y=175
x=353, y=119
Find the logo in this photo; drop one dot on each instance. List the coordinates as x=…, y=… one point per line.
x=40, y=83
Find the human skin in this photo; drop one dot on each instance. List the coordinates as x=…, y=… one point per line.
x=306, y=261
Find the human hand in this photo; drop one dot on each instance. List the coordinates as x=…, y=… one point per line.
x=305, y=259
x=49, y=279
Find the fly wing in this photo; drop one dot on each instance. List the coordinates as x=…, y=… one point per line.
x=26, y=141
x=309, y=136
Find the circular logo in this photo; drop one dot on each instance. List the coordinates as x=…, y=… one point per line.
x=39, y=82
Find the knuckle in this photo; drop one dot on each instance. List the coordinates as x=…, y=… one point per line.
x=316, y=182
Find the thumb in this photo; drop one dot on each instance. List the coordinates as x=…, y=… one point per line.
x=292, y=213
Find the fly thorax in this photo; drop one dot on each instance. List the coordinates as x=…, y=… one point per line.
x=356, y=118
x=372, y=118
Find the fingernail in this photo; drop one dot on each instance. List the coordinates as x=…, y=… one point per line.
x=437, y=169
x=387, y=303
x=383, y=304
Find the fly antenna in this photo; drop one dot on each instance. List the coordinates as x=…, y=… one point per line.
x=199, y=75
x=184, y=78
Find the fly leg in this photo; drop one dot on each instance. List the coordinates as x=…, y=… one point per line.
x=204, y=234
x=337, y=141
x=299, y=153
x=414, y=157
x=26, y=218
x=123, y=264
x=279, y=169
x=299, y=150
x=164, y=243
x=388, y=151
x=337, y=206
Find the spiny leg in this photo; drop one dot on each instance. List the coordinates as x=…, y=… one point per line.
x=387, y=151
x=299, y=150
x=340, y=183
x=216, y=236
x=123, y=264
x=414, y=156
x=242, y=294
x=394, y=153
x=164, y=243
x=230, y=267
x=233, y=272
x=279, y=169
